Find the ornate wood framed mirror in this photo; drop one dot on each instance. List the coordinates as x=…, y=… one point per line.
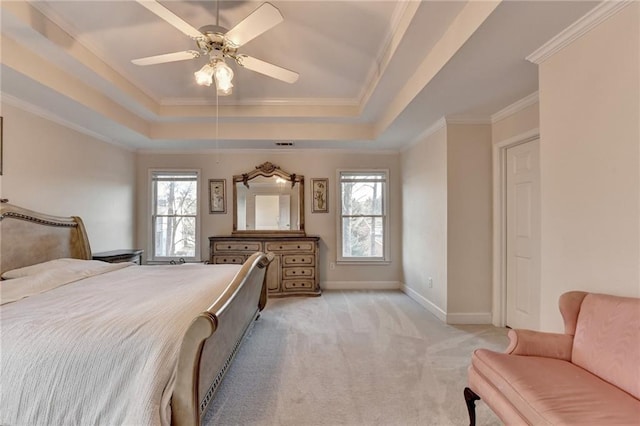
x=268, y=200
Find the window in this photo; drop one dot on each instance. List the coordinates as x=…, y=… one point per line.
x=363, y=221
x=174, y=215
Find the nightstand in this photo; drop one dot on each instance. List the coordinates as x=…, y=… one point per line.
x=117, y=256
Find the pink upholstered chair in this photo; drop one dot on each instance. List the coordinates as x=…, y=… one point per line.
x=588, y=375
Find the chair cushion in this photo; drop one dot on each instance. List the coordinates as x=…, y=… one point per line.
x=547, y=390
x=607, y=340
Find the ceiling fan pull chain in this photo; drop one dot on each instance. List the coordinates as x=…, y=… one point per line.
x=217, y=139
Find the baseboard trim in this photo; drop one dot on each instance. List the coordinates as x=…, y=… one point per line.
x=425, y=303
x=360, y=285
x=470, y=318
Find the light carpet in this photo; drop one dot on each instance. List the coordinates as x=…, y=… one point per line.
x=352, y=358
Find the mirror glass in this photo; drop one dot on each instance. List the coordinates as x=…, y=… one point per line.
x=268, y=200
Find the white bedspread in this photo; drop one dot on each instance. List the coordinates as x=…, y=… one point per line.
x=102, y=350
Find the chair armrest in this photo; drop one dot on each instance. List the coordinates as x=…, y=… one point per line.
x=537, y=343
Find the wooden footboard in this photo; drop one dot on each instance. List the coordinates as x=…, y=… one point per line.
x=213, y=339
x=28, y=238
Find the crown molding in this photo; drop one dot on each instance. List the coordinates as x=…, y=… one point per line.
x=273, y=151
x=593, y=18
x=262, y=102
x=48, y=115
x=443, y=122
x=114, y=73
x=402, y=17
x=439, y=124
x=468, y=119
x=515, y=107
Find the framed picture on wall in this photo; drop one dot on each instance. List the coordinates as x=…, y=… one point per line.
x=319, y=192
x=217, y=196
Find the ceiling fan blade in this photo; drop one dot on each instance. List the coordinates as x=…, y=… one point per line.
x=171, y=18
x=267, y=69
x=167, y=57
x=260, y=20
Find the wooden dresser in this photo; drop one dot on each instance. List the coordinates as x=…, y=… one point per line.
x=294, y=270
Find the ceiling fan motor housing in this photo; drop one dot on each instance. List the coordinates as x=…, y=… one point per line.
x=214, y=42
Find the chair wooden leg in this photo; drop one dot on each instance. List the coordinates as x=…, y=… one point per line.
x=470, y=398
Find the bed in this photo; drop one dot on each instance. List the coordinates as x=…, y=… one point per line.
x=87, y=342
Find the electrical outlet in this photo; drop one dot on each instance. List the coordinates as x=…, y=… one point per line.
x=332, y=265
x=430, y=282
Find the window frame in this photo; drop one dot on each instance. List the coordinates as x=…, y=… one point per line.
x=153, y=258
x=385, y=258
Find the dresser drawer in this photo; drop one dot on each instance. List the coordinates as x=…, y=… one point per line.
x=298, y=246
x=293, y=270
x=238, y=260
x=297, y=272
x=298, y=259
x=249, y=246
x=299, y=284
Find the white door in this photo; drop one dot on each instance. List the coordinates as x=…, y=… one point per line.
x=523, y=235
x=267, y=212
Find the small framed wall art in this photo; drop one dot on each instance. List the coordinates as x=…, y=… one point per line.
x=217, y=196
x=319, y=192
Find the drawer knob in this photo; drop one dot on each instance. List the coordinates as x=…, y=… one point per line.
x=293, y=260
x=224, y=260
x=298, y=246
x=293, y=272
x=228, y=247
x=245, y=247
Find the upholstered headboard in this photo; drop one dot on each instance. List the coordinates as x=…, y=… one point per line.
x=28, y=237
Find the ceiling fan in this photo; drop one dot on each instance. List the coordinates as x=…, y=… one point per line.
x=218, y=43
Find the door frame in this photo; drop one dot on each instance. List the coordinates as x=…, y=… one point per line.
x=499, y=162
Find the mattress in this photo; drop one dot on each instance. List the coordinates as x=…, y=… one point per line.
x=101, y=349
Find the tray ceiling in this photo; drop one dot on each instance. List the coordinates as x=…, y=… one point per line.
x=373, y=74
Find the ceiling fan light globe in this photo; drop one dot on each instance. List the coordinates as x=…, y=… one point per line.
x=203, y=80
x=224, y=86
x=204, y=76
x=225, y=92
x=223, y=75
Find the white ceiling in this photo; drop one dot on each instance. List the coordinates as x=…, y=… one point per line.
x=373, y=74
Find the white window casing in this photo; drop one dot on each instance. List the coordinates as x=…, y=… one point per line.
x=363, y=216
x=174, y=215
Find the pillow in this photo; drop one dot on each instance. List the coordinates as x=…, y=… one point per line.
x=19, y=288
x=51, y=275
x=64, y=263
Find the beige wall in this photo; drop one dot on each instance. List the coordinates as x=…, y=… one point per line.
x=311, y=164
x=516, y=124
x=590, y=164
x=424, y=221
x=469, y=223
x=446, y=184
x=53, y=169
